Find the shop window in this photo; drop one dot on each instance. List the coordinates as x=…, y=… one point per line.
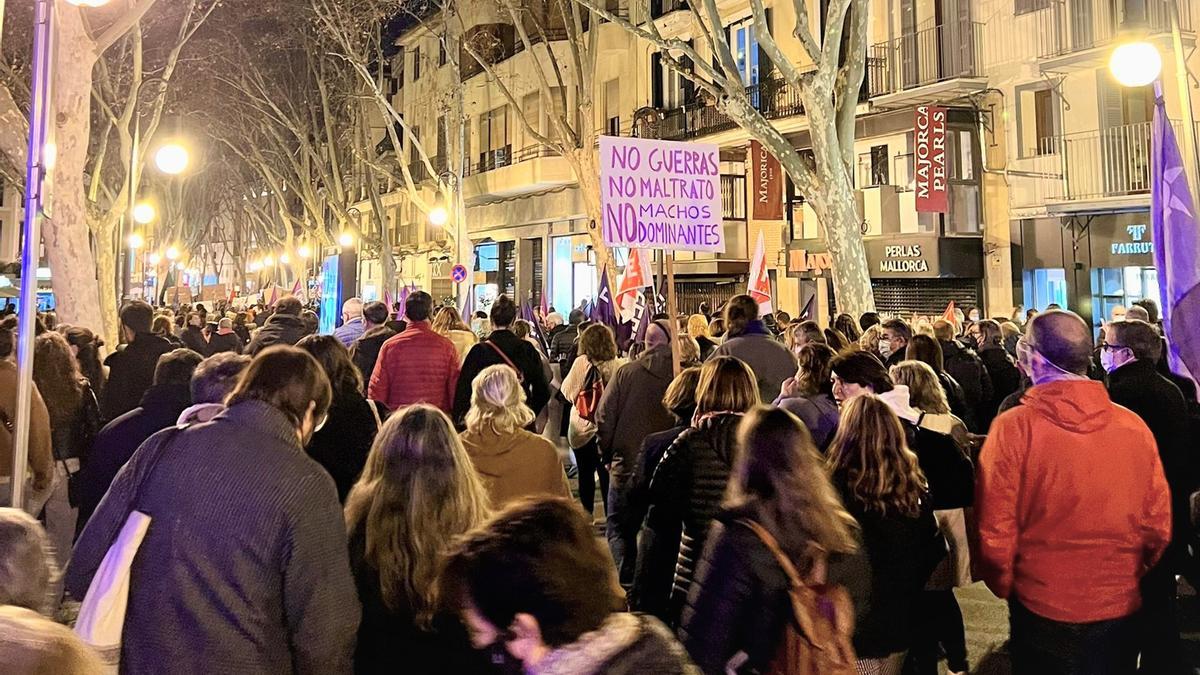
x=1113, y=286
x=1044, y=287
x=562, y=279
x=537, y=271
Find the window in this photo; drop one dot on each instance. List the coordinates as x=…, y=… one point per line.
x=442, y=145
x=671, y=89
x=1025, y=6
x=414, y=155
x=416, y=63
x=745, y=50
x=1044, y=122
x=879, y=165
x=612, y=108
x=441, y=53
x=531, y=109
x=493, y=139
x=398, y=69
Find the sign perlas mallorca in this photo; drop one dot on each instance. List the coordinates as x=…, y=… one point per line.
x=661, y=194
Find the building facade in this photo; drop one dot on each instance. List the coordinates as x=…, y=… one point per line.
x=1047, y=157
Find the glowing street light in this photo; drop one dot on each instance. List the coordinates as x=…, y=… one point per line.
x=154, y=258
x=172, y=253
x=346, y=239
x=136, y=240
x=285, y=259
x=172, y=158
x=268, y=261
x=144, y=214
x=304, y=251
x=1135, y=64
x=438, y=215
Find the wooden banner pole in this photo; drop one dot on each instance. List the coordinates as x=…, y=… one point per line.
x=672, y=312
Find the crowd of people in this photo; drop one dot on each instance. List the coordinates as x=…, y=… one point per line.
x=754, y=494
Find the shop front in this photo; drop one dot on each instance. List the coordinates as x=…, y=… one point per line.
x=1089, y=263
x=910, y=274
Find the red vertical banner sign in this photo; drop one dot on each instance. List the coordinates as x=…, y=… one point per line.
x=766, y=184
x=929, y=130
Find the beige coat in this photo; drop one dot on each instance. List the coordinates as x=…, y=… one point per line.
x=41, y=458
x=516, y=464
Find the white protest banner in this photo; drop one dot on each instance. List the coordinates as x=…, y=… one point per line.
x=661, y=194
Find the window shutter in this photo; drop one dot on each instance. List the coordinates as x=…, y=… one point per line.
x=765, y=67
x=656, y=78
x=687, y=87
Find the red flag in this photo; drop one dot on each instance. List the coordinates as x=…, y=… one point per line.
x=949, y=313
x=760, y=282
x=634, y=278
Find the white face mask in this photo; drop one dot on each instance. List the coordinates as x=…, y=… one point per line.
x=885, y=348
x=974, y=316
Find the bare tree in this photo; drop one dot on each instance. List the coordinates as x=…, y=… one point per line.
x=828, y=88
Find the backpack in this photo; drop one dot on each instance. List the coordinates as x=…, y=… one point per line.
x=817, y=640
x=587, y=401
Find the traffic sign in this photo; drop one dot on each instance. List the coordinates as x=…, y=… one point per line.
x=459, y=274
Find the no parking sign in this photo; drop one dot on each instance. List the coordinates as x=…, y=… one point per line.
x=458, y=273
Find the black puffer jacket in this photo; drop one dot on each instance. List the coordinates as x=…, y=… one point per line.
x=686, y=492
x=963, y=364
x=946, y=466
x=957, y=399
x=1005, y=380
x=739, y=601
x=280, y=329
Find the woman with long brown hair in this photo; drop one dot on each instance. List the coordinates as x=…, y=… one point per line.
x=882, y=486
x=85, y=345
x=809, y=395
x=686, y=487
x=739, y=602
x=74, y=421
x=418, y=493
x=591, y=372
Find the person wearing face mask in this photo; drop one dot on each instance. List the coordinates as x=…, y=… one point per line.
x=1073, y=509
x=245, y=565
x=1129, y=354
x=894, y=340
x=538, y=592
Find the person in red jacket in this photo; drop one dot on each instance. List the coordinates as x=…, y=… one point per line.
x=1073, y=510
x=418, y=365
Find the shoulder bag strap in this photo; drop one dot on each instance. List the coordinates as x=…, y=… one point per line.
x=158, y=452
x=773, y=546
x=496, y=348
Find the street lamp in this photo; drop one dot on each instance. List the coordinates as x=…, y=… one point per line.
x=136, y=240
x=172, y=253
x=305, y=251
x=438, y=215
x=1135, y=64
x=172, y=159
x=268, y=261
x=346, y=239
x=154, y=258
x=144, y=214
x=284, y=258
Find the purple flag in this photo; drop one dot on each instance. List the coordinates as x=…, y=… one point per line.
x=604, y=312
x=643, y=313
x=807, y=312
x=1176, y=245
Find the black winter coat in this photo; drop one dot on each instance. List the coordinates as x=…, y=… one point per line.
x=562, y=342
x=365, y=350
x=130, y=373
x=1161, y=406
x=1005, y=377
x=685, y=493
x=957, y=400
x=522, y=354
x=631, y=409
x=229, y=342
x=739, y=601
x=652, y=585
x=390, y=641
x=280, y=329
x=902, y=552
x=946, y=466
x=342, y=445
x=116, y=442
x=193, y=339
x=963, y=364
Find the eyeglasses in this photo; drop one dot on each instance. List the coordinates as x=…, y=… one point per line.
x=1108, y=346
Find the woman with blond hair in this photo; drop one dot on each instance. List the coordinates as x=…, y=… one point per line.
x=739, y=603
x=941, y=620
x=687, y=485
x=447, y=322
x=418, y=493
x=697, y=328
x=882, y=486
x=869, y=340
x=513, y=462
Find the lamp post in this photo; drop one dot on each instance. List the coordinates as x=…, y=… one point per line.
x=439, y=215
x=1136, y=63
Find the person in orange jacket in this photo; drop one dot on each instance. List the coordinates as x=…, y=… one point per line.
x=1073, y=509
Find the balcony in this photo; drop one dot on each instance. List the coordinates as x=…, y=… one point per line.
x=1076, y=35
x=503, y=172
x=1085, y=171
x=774, y=98
x=930, y=65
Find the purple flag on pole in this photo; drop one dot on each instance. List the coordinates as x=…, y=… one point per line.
x=1176, y=245
x=604, y=312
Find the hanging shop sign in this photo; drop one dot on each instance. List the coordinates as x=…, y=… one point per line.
x=661, y=194
x=804, y=263
x=903, y=259
x=767, y=184
x=929, y=131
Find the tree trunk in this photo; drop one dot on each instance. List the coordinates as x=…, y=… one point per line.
x=586, y=164
x=65, y=233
